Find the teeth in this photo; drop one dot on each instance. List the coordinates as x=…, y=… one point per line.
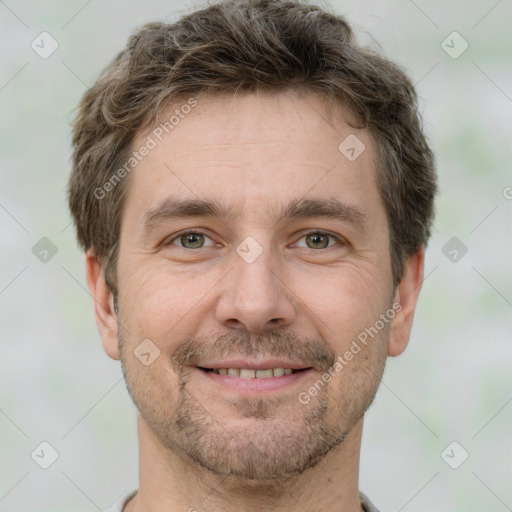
x=264, y=374
x=246, y=373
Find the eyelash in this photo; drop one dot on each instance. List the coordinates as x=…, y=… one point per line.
x=197, y=232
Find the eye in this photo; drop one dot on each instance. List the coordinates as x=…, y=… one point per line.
x=196, y=240
x=319, y=240
x=190, y=240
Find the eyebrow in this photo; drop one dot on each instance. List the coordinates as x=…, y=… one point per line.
x=330, y=208
x=174, y=208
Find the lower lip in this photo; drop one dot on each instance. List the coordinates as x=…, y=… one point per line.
x=255, y=385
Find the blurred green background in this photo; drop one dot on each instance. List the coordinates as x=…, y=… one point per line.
x=453, y=383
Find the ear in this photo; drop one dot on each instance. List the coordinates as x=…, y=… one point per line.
x=106, y=318
x=404, y=303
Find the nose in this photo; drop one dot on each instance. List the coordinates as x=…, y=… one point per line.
x=256, y=296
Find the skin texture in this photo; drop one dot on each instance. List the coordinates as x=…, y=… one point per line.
x=303, y=298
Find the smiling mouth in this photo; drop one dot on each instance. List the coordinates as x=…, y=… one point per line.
x=249, y=373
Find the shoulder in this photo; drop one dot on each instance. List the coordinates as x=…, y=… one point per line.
x=367, y=505
x=120, y=504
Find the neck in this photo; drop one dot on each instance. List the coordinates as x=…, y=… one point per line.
x=173, y=482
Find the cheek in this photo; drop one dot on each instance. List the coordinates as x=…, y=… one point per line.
x=342, y=301
x=162, y=304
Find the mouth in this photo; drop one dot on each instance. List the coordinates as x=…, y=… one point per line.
x=250, y=380
x=252, y=373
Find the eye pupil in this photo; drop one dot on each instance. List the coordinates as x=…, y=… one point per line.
x=192, y=238
x=196, y=240
x=316, y=238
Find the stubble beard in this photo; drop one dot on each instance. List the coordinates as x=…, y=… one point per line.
x=273, y=440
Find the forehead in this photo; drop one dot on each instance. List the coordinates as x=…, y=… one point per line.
x=255, y=152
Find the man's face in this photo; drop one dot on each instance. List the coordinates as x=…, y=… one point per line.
x=280, y=283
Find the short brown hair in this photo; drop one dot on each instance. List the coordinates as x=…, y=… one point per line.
x=248, y=45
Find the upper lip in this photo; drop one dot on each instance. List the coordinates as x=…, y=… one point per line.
x=254, y=365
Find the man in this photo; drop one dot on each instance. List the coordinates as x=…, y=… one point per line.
x=254, y=194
